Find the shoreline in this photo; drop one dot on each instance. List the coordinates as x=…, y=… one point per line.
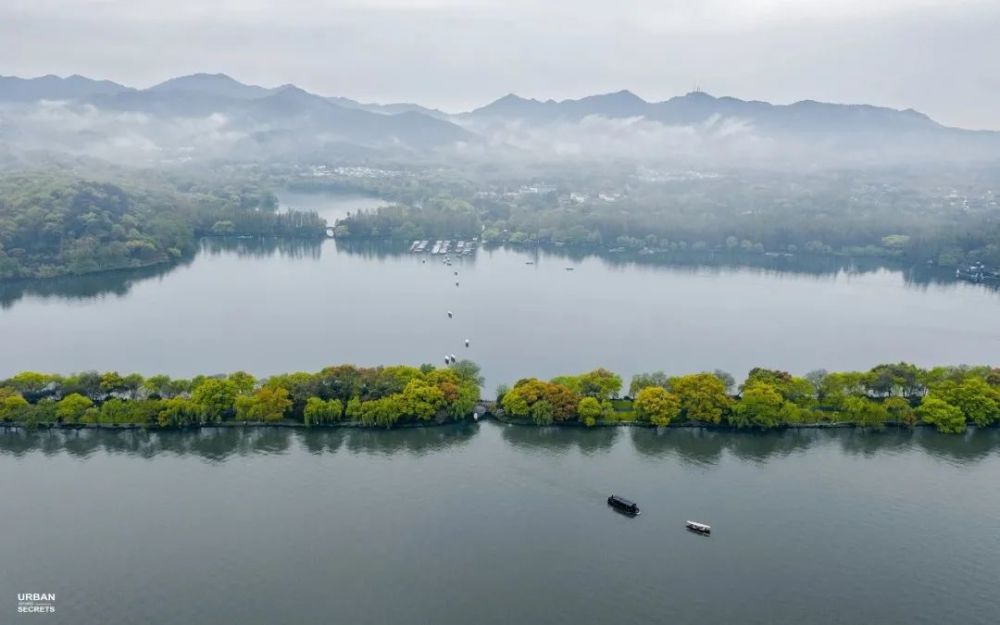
x=166, y=264
x=525, y=423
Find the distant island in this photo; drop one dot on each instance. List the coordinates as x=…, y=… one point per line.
x=898, y=395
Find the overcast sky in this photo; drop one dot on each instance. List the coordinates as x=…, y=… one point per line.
x=939, y=56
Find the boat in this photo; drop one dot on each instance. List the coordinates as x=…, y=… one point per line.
x=700, y=528
x=976, y=273
x=450, y=315
x=623, y=505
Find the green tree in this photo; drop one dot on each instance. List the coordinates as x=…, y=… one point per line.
x=941, y=414
x=600, y=383
x=560, y=400
x=900, y=411
x=243, y=381
x=657, y=405
x=71, y=408
x=978, y=401
x=11, y=403
x=759, y=406
x=865, y=413
x=642, y=380
x=703, y=396
x=353, y=410
x=318, y=411
x=794, y=389
x=268, y=405
x=215, y=399
x=421, y=400
x=542, y=412
x=177, y=412
x=31, y=383
x=112, y=382
x=158, y=385
x=589, y=411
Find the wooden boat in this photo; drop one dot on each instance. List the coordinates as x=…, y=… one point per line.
x=623, y=505
x=700, y=528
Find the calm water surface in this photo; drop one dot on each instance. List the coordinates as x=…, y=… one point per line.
x=274, y=306
x=484, y=523
x=492, y=524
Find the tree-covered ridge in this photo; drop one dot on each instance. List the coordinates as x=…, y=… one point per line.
x=380, y=396
x=902, y=395
x=942, y=217
x=53, y=225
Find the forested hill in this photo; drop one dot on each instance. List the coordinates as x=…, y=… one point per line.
x=53, y=224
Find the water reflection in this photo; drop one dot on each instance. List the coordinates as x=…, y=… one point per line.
x=119, y=283
x=85, y=287
x=696, y=446
x=560, y=439
x=705, y=447
x=413, y=441
x=973, y=446
x=220, y=444
x=213, y=444
x=714, y=262
x=377, y=250
x=264, y=247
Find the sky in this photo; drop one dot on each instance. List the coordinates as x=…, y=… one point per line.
x=941, y=57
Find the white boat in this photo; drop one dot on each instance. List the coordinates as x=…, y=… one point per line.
x=701, y=528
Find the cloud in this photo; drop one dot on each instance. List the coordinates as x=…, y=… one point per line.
x=121, y=137
x=719, y=139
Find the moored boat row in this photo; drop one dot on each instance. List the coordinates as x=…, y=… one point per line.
x=443, y=247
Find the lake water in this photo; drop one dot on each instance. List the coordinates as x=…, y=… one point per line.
x=272, y=306
x=501, y=524
x=485, y=523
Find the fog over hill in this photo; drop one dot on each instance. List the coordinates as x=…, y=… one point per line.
x=213, y=116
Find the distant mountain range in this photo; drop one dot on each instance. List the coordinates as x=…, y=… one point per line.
x=697, y=107
x=288, y=119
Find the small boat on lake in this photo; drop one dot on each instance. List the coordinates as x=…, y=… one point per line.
x=699, y=528
x=623, y=505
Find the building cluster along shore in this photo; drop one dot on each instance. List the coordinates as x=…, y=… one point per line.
x=899, y=395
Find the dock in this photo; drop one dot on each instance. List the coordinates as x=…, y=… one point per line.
x=443, y=247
